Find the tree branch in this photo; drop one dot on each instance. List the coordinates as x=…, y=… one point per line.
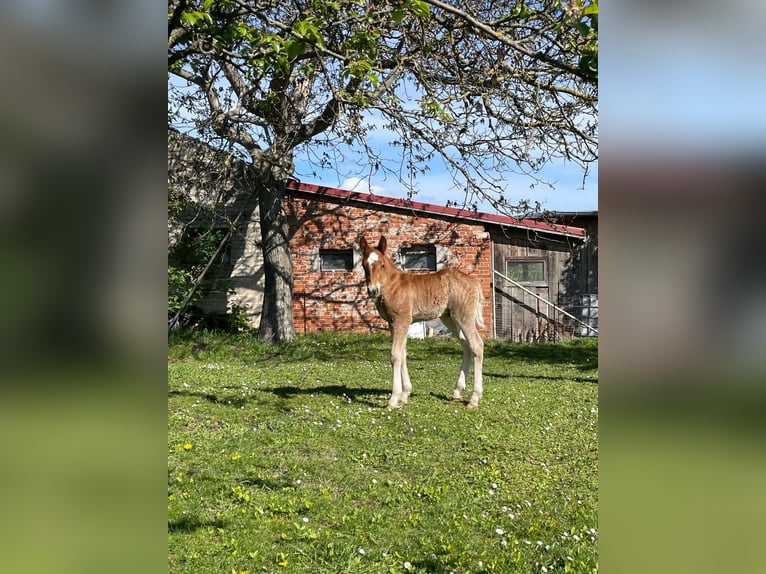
x=517, y=46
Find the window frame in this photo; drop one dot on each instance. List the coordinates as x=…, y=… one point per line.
x=428, y=250
x=348, y=258
x=528, y=260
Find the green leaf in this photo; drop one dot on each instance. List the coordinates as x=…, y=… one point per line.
x=308, y=30
x=583, y=28
x=397, y=16
x=419, y=8
x=294, y=49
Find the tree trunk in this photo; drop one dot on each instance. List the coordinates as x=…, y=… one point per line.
x=277, y=312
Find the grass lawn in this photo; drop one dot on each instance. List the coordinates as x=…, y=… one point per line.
x=284, y=459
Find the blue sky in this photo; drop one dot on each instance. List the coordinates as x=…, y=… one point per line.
x=567, y=192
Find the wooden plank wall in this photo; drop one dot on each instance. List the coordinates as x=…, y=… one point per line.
x=518, y=315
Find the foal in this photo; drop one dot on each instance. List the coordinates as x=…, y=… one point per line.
x=402, y=298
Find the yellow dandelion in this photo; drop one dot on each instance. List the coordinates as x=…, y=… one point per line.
x=188, y=446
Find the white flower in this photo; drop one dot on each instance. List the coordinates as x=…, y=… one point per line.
x=361, y=551
x=407, y=566
x=500, y=531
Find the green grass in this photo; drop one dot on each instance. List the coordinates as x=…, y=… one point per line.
x=284, y=459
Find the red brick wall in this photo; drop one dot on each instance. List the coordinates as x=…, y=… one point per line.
x=338, y=300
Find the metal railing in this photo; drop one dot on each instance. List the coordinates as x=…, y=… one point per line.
x=546, y=321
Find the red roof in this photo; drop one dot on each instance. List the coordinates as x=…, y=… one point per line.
x=392, y=202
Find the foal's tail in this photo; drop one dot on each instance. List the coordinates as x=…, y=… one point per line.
x=479, y=307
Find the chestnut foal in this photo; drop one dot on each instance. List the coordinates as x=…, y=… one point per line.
x=402, y=298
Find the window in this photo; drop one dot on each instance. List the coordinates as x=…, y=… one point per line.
x=197, y=245
x=337, y=259
x=419, y=258
x=526, y=270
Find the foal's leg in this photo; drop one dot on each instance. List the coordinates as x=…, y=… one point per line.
x=476, y=348
x=398, y=356
x=406, y=384
x=462, y=377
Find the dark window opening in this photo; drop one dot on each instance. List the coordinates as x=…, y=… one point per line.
x=198, y=245
x=336, y=259
x=419, y=258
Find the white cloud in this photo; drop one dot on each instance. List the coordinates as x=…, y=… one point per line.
x=361, y=186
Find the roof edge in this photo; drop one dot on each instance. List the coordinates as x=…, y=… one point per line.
x=466, y=214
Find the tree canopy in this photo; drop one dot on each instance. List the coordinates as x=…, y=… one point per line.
x=489, y=86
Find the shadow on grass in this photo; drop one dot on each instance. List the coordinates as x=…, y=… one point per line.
x=581, y=354
x=591, y=380
x=230, y=401
x=445, y=398
x=357, y=395
x=354, y=394
x=190, y=524
x=264, y=483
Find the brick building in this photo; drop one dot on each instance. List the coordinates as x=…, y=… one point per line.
x=326, y=225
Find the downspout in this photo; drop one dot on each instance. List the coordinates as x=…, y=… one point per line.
x=492, y=285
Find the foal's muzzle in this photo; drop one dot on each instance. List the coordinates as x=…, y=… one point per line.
x=373, y=291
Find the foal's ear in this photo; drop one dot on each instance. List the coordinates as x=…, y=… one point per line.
x=363, y=244
x=382, y=244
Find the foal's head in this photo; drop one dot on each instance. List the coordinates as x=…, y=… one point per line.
x=374, y=262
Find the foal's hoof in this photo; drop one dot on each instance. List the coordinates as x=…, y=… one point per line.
x=472, y=406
